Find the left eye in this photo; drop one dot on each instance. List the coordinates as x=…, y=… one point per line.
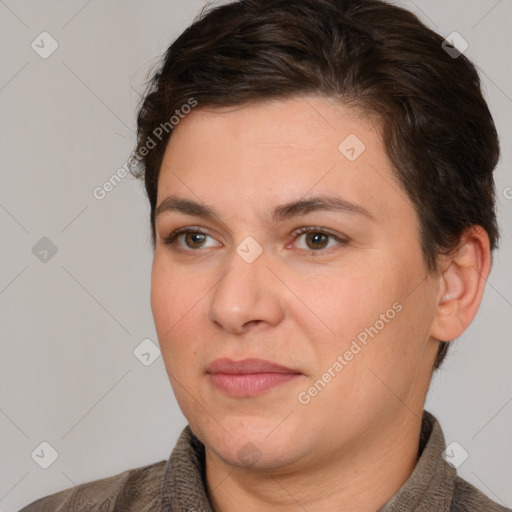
x=317, y=238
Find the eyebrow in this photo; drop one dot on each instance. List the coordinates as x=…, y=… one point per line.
x=278, y=214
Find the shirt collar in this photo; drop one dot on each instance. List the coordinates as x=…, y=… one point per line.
x=429, y=487
x=431, y=484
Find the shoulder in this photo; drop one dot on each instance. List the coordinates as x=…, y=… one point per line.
x=132, y=490
x=467, y=498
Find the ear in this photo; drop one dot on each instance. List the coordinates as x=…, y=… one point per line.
x=462, y=280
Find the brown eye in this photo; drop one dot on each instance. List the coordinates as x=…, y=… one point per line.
x=187, y=240
x=194, y=240
x=316, y=240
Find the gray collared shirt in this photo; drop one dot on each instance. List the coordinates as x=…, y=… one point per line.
x=178, y=484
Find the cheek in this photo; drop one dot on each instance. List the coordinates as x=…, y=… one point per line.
x=176, y=306
x=349, y=302
x=175, y=302
x=374, y=308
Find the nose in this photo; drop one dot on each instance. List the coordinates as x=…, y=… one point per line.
x=247, y=296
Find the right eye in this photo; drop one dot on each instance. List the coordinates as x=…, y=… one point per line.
x=194, y=238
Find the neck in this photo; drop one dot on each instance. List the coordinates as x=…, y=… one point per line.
x=364, y=478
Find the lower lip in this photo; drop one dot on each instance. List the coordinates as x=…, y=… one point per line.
x=249, y=384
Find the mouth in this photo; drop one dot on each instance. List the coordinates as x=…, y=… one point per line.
x=248, y=377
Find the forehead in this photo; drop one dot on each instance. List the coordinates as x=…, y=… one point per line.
x=272, y=152
x=300, y=123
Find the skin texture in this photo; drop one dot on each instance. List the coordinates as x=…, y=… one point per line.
x=301, y=304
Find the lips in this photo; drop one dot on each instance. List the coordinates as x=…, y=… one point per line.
x=248, y=377
x=246, y=366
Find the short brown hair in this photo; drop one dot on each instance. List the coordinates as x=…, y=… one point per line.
x=437, y=128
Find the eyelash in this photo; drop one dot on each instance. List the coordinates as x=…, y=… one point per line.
x=172, y=238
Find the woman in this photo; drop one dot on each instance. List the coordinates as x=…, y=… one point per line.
x=322, y=206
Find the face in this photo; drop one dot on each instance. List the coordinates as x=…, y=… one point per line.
x=333, y=286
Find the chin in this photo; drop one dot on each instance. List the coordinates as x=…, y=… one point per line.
x=248, y=441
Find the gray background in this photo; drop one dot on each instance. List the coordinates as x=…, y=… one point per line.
x=69, y=325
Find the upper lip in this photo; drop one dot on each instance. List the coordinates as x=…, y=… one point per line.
x=246, y=366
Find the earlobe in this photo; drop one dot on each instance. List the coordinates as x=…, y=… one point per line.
x=462, y=285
